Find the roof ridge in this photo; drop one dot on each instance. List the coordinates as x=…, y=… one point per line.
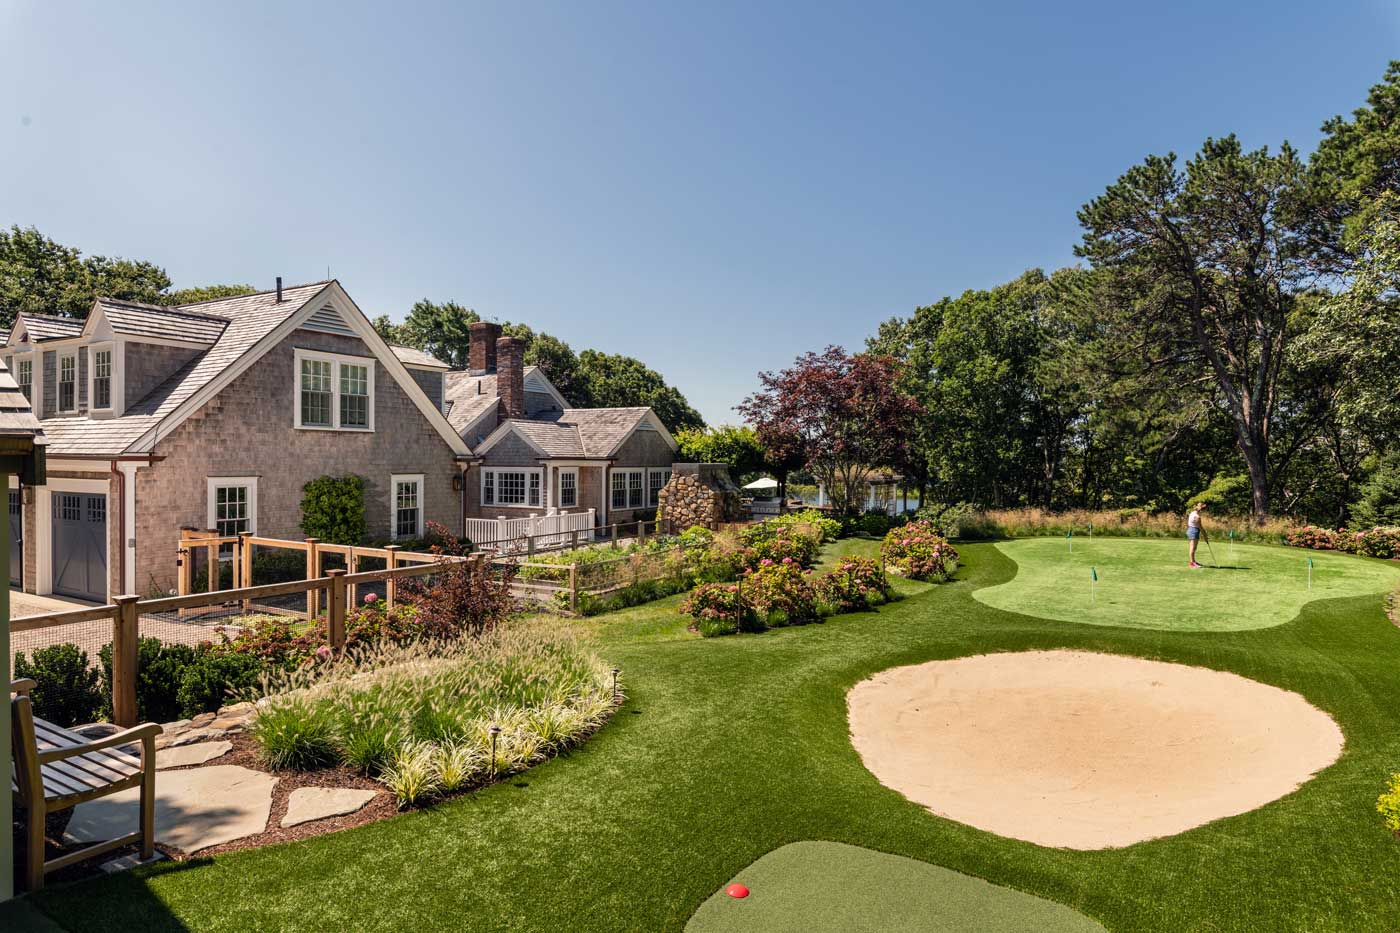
x=51, y=317
x=266, y=291
x=177, y=310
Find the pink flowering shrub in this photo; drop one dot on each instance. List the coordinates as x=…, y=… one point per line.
x=778, y=594
x=855, y=584
x=1374, y=542
x=715, y=608
x=919, y=552
x=1310, y=536
x=769, y=541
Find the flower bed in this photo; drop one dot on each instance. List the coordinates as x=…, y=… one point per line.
x=433, y=718
x=782, y=593
x=919, y=552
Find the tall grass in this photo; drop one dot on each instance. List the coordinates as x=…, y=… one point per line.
x=418, y=717
x=1125, y=523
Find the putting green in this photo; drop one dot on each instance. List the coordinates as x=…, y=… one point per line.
x=1145, y=583
x=808, y=886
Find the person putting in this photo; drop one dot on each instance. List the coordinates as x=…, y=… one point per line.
x=1193, y=532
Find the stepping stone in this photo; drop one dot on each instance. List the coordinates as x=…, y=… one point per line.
x=129, y=861
x=181, y=755
x=316, y=803
x=195, y=809
x=193, y=736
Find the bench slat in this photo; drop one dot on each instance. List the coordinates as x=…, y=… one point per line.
x=83, y=773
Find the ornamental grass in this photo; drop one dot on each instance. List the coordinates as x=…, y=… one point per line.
x=419, y=717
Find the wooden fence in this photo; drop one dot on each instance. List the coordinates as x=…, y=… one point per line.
x=332, y=592
x=533, y=532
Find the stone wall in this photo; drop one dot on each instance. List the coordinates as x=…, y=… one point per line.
x=699, y=494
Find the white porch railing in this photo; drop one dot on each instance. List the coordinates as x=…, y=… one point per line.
x=550, y=530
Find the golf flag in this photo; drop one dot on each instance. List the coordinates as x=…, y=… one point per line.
x=1309, y=573
x=1093, y=583
x=1094, y=571
x=1069, y=536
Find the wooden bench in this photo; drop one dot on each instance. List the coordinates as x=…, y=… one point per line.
x=56, y=769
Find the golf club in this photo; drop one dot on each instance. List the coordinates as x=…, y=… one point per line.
x=1213, y=563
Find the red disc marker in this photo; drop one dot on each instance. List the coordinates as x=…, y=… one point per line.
x=737, y=890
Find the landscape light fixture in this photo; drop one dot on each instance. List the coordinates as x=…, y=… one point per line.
x=615, y=672
x=495, y=731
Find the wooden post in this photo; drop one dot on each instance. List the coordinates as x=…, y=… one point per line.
x=125, y=637
x=245, y=561
x=573, y=588
x=335, y=608
x=352, y=565
x=612, y=533
x=213, y=561
x=313, y=570
x=391, y=585
x=573, y=540
x=529, y=545
x=236, y=568
x=642, y=532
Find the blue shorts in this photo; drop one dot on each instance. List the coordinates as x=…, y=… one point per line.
x=1193, y=533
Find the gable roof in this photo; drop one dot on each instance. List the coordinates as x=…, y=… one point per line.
x=579, y=433
x=411, y=357
x=135, y=319
x=16, y=417
x=41, y=327
x=253, y=325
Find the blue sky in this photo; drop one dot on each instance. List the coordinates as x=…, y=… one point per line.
x=713, y=188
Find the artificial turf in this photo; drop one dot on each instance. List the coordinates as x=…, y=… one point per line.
x=809, y=886
x=729, y=748
x=1146, y=583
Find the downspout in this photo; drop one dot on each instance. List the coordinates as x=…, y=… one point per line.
x=462, y=505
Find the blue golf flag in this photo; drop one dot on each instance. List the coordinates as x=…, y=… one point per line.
x=1309, y=563
x=1094, y=571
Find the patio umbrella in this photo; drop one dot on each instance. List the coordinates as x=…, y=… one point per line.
x=765, y=482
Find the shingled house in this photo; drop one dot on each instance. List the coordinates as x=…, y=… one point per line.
x=535, y=453
x=215, y=415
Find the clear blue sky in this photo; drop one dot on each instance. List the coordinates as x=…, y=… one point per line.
x=711, y=187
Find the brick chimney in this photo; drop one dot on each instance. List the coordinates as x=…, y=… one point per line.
x=481, y=351
x=510, y=376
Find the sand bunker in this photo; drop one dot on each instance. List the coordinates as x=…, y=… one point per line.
x=1085, y=751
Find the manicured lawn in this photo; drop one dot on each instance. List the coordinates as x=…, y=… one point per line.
x=730, y=748
x=1146, y=583
x=809, y=886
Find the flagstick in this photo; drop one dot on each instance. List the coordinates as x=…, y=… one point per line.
x=1309, y=573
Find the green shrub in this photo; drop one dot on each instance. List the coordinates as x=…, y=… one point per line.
x=214, y=679
x=66, y=689
x=333, y=509
x=1378, y=499
x=1227, y=495
x=1388, y=804
x=952, y=519
x=875, y=523
x=829, y=528
x=159, y=669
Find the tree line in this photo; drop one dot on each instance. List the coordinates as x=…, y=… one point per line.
x=1232, y=333
x=587, y=379
x=41, y=276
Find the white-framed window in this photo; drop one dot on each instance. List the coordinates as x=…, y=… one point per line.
x=513, y=487
x=24, y=375
x=568, y=487
x=656, y=481
x=334, y=392
x=100, y=390
x=68, y=382
x=406, y=501
x=628, y=489
x=233, y=504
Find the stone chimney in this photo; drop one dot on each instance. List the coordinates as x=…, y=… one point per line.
x=481, y=351
x=510, y=376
